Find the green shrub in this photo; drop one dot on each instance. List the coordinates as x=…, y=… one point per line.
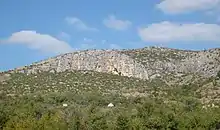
x=218, y=74
x=122, y=122
x=88, y=95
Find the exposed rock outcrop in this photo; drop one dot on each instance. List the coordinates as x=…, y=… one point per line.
x=107, y=61
x=140, y=63
x=160, y=60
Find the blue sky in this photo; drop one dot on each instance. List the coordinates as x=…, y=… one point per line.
x=32, y=30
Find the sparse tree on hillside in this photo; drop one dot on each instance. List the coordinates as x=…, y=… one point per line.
x=122, y=122
x=218, y=74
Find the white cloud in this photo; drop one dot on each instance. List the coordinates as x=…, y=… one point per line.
x=87, y=46
x=114, y=46
x=218, y=19
x=86, y=43
x=64, y=36
x=104, y=41
x=87, y=40
x=37, y=41
x=185, y=6
x=168, y=32
x=114, y=23
x=110, y=45
x=210, y=13
x=79, y=24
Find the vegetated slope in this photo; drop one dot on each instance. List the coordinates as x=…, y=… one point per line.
x=75, y=81
x=79, y=82
x=158, y=60
x=34, y=101
x=32, y=97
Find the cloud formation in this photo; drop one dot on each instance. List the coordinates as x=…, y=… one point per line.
x=114, y=46
x=168, y=32
x=37, y=41
x=218, y=19
x=64, y=36
x=87, y=43
x=79, y=24
x=114, y=23
x=185, y=6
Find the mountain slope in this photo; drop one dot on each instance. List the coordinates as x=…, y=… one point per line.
x=142, y=63
x=72, y=91
x=159, y=60
x=170, y=67
x=96, y=60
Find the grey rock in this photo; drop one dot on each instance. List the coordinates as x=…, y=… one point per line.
x=139, y=63
x=106, y=61
x=165, y=60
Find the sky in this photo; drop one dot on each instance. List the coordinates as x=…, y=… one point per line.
x=33, y=30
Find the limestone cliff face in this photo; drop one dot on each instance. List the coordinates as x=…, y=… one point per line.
x=106, y=61
x=140, y=63
x=159, y=60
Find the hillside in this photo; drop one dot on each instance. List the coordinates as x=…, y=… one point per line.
x=140, y=63
x=160, y=60
x=151, y=88
x=106, y=61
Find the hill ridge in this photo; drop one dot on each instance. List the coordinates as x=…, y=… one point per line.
x=106, y=61
x=143, y=63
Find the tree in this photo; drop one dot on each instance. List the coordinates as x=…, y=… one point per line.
x=98, y=122
x=218, y=74
x=3, y=118
x=122, y=122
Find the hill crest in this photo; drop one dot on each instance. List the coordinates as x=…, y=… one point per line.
x=144, y=63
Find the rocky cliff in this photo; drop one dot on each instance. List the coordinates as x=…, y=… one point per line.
x=160, y=61
x=142, y=63
x=106, y=61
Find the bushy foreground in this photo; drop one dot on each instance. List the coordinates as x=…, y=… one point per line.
x=91, y=113
x=35, y=102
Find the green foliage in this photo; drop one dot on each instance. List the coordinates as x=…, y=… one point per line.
x=218, y=74
x=37, y=103
x=146, y=114
x=98, y=122
x=122, y=122
x=3, y=118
